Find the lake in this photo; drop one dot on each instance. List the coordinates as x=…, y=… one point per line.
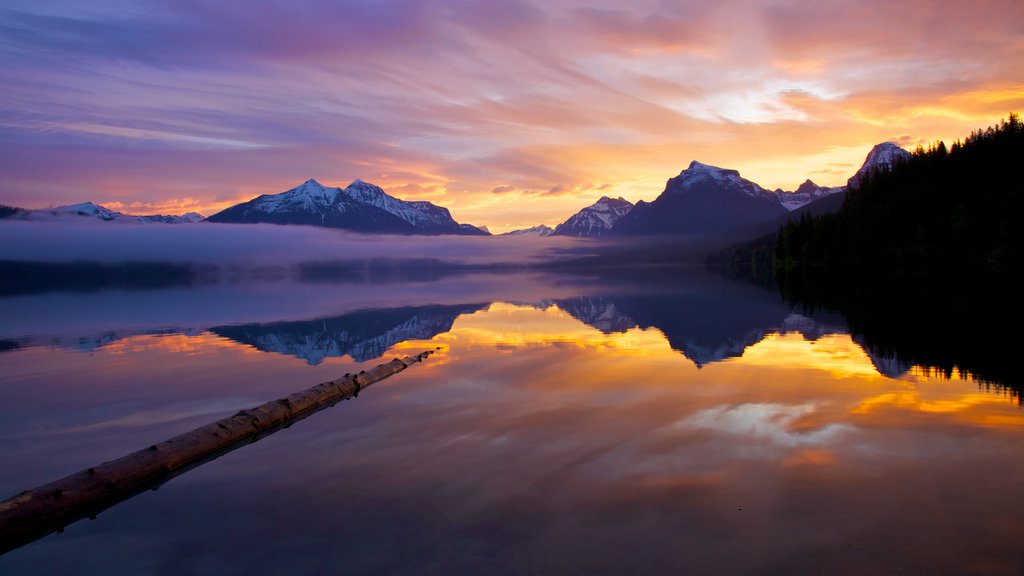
x=569, y=424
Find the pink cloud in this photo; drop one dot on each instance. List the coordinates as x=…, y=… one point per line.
x=449, y=102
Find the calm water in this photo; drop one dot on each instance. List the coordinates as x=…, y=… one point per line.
x=568, y=425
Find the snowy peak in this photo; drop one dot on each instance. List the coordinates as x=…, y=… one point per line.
x=421, y=213
x=702, y=199
x=310, y=196
x=312, y=188
x=187, y=218
x=88, y=209
x=541, y=231
x=699, y=173
x=700, y=168
x=805, y=194
x=596, y=219
x=885, y=154
x=91, y=211
x=471, y=230
x=882, y=157
x=807, y=187
x=360, y=206
x=364, y=191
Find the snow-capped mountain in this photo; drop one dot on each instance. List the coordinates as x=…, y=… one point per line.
x=424, y=215
x=470, y=230
x=86, y=209
x=702, y=199
x=596, y=219
x=96, y=211
x=187, y=218
x=360, y=206
x=882, y=156
x=541, y=231
x=807, y=192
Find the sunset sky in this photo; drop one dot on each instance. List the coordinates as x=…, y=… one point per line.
x=511, y=114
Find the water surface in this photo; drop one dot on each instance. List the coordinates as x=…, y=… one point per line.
x=567, y=425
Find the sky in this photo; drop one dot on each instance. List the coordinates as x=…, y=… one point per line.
x=509, y=113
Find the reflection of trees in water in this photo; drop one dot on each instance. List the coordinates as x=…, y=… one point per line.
x=712, y=320
x=945, y=324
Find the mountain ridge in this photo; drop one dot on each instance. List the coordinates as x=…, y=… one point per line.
x=100, y=212
x=598, y=219
x=702, y=199
x=360, y=206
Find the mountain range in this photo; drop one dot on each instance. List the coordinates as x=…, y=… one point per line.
x=542, y=231
x=705, y=199
x=701, y=200
x=361, y=207
x=90, y=210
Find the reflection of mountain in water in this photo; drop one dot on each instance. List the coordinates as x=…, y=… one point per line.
x=90, y=342
x=363, y=335
x=707, y=319
x=599, y=312
x=712, y=323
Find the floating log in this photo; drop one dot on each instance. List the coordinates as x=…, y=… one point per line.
x=49, y=508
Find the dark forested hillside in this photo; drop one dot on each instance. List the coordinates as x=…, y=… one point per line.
x=944, y=211
x=921, y=260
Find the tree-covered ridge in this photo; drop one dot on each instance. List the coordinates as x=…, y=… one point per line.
x=921, y=260
x=942, y=211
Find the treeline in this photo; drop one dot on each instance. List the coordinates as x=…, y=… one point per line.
x=948, y=324
x=9, y=211
x=953, y=211
x=922, y=260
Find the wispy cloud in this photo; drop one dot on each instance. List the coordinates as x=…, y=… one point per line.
x=220, y=101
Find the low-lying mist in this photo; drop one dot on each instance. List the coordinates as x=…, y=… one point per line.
x=255, y=246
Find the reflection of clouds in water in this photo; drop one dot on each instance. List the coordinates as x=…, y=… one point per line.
x=565, y=452
x=125, y=416
x=164, y=415
x=710, y=441
x=771, y=422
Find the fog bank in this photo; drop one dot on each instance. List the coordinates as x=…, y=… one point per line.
x=257, y=245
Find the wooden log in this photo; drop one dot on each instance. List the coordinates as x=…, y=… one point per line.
x=35, y=513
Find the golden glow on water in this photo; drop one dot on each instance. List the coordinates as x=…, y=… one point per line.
x=530, y=420
x=798, y=395
x=509, y=325
x=945, y=398
x=172, y=343
x=825, y=380
x=829, y=379
x=836, y=354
